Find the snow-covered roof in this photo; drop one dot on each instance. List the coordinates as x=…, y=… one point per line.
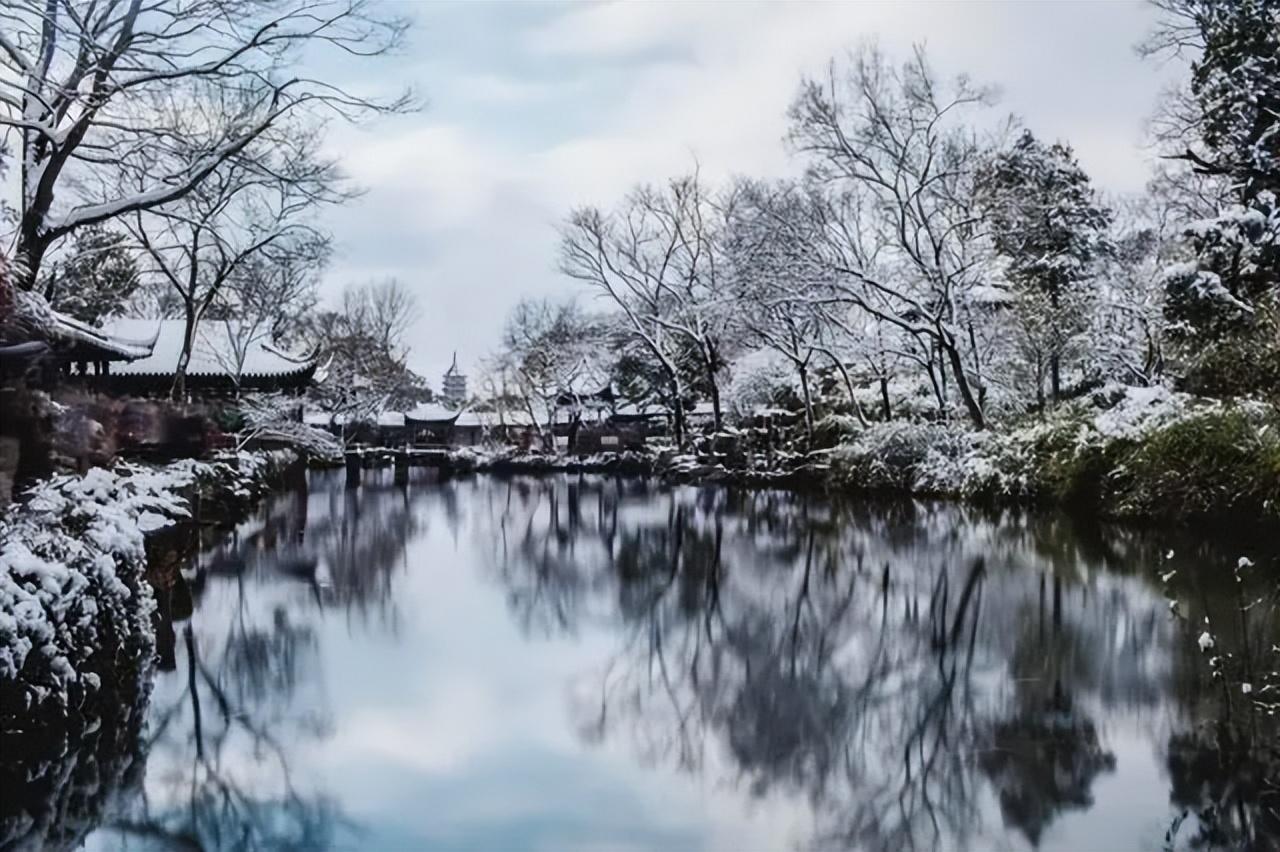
x=212, y=355
x=32, y=320
x=430, y=413
x=126, y=346
x=491, y=419
x=630, y=409
x=322, y=418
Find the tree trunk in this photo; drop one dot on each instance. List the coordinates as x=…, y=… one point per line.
x=1055, y=376
x=848, y=384
x=28, y=255
x=962, y=384
x=715, y=404
x=712, y=360
x=575, y=424
x=885, y=405
x=179, y=391
x=803, y=370
x=677, y=416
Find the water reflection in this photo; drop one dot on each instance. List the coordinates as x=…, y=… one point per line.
x=577, y=662
x=897, y=667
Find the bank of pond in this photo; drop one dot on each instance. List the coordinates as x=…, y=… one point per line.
x=585, y=660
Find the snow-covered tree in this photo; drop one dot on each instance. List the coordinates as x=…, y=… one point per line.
x=782, y=287
x=264, y=303
x=1222, y=304
x=95, y=278
x=1049, y=228
x=553, y=353
x=897, y=165
x=91, y=88
x=253, y=211
x=655, y=258
x=361, y=345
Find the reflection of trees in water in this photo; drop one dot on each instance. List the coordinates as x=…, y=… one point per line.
x=220, y=747
x=1044, y=755
x=883, y=660
x=345, y=544
x=1225, y=770
x=57, y=784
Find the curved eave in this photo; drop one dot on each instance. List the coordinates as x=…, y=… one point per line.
x=77, y=332
x=416, y=422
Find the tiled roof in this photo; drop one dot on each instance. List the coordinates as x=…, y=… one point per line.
x=212, y=355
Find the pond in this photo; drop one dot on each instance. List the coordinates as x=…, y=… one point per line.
x=583, y=662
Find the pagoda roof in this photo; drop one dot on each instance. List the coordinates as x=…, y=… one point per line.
x=430, y=414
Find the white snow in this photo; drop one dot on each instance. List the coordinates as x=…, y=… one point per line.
x=1141, y=410
x=213, y=354
x=74, y=602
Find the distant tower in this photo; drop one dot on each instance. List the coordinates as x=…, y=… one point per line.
x=454, y=385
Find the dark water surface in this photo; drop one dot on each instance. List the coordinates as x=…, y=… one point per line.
x=580, y=662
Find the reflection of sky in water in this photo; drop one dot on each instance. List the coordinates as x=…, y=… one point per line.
x=460, y=644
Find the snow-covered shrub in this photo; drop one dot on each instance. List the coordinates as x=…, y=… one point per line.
x=1222, y=462
x=1146, y=452
x=895, y=456
x=758, y=381
x=272, y=420
x=74, y=608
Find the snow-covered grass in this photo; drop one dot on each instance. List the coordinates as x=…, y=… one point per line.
x=75, y=607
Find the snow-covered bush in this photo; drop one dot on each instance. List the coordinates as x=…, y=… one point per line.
x=75, y=609
x=1141, y=452
x=895, y=456
x=1221, y=462
x=73, y=604
x=272, y=419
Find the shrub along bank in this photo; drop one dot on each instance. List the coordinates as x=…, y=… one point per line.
x=75, y=608
x=1131, y=453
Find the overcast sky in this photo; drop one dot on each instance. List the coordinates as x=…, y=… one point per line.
x=533, y=108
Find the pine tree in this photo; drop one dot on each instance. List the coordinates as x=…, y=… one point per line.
x=1222, y=306
x=1048, y=226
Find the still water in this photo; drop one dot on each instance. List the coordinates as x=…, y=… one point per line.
x=580, y=662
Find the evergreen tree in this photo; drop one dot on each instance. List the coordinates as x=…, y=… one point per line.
x=1049, y=227
x=96, y=278
x=1222, y=306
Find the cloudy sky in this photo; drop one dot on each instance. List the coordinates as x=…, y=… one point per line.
x=533, y=108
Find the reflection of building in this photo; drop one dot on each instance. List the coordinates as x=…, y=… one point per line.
x=454, y=385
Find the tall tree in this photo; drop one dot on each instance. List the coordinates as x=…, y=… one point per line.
x=1224, y=308
x=553, y=354
x=781, y=287
x=361, y=343
x=265, y=300
x=253, y=208
x=1049, y=227
x=897, y=165
x=80, y=81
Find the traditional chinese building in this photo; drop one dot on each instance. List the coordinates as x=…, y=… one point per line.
x=223, y=362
